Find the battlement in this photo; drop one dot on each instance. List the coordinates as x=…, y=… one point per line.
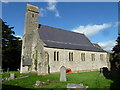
x=32, y=8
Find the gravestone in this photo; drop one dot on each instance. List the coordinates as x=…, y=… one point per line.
x=7, y=69
x=37, y=83
x=12, y=76
x=80, y=86
x=63, y=74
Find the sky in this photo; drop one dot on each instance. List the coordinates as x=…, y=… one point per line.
x=97, y=20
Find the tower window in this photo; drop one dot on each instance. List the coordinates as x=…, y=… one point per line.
x=32, y=15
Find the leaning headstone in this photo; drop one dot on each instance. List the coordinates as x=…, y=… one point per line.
x=12, y=76
x=63, y=74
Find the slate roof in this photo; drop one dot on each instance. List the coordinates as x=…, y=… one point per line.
x=96, y=45
x=59, y=38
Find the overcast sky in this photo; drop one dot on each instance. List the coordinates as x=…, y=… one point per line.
x=98, y=21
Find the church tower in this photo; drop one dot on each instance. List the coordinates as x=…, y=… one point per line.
x=31, y=24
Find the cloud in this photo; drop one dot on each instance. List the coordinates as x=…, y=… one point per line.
x=57, y=14
x=108, y=45
x=117, y=24
x=19, y=36
x=4, y=1
x=52, y=7
x=90, y=30
x=42, y=12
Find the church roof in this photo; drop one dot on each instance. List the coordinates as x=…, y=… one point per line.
x=96, y=45
x=59, y=38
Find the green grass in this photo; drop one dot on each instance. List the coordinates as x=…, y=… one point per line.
x=91, y=79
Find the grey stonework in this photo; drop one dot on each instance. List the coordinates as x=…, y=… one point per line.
x=45, y=55
x=31, y=24
x=77, y=64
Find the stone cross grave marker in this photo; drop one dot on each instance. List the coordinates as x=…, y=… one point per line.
x=63, y=74
x=12, y=76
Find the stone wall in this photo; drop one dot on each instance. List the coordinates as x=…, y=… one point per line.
x=77, y=64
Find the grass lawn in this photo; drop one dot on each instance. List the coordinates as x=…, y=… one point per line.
x=91, y=79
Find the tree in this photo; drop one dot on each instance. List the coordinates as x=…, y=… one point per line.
x=114, y=73
x=11, y=48
x=116, y=53
x=115, y=65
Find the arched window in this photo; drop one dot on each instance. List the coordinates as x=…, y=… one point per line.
x=93, y=57
x=56, y=56
x=83, y=56
x=70, y=56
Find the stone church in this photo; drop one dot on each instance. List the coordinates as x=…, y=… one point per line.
x=45, y=49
